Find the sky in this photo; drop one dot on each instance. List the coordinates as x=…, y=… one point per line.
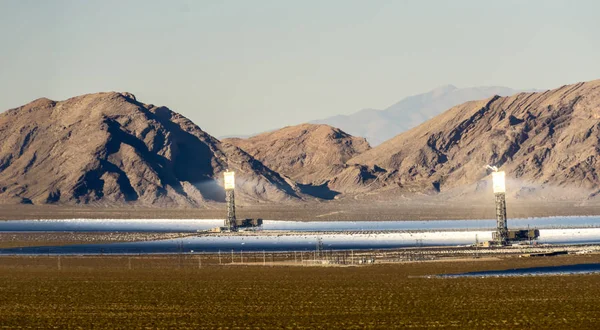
x=243, y=67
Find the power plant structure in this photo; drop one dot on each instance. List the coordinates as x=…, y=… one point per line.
x=503, y=236
x=229, y=183
x=232, y=224
x=499, y=187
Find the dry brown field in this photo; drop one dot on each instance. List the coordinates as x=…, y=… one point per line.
x=163, y=292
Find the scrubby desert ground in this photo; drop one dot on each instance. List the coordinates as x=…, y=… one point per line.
x=135, y=292
x=118, y=293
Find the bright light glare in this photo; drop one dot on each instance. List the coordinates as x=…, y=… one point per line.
x=498, y=179
x=229, y=180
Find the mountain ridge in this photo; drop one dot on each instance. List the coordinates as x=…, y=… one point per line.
x=109, y=148
x=545, y=138
x=378, y=126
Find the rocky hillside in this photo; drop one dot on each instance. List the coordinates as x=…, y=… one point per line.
x=109, y=148
x=549, y=139
x=309, y=154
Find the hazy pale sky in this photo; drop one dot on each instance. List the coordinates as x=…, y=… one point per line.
x=240, y=67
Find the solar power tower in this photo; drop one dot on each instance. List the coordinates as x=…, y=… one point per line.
x=230, y=221
x=499, y=186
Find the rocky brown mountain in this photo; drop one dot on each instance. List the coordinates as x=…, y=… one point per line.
x=548, y=140
x=109, y=148
x=309, y=154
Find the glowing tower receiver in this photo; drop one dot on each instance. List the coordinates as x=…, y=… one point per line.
x=229, y=183
x=499, y=182
x=229, y=180
x=499, y=187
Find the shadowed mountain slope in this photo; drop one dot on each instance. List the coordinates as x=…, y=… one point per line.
x=109, y=148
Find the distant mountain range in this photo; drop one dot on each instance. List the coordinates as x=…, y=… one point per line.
x=547, y=142
x=110, y=148
x=378, y=126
